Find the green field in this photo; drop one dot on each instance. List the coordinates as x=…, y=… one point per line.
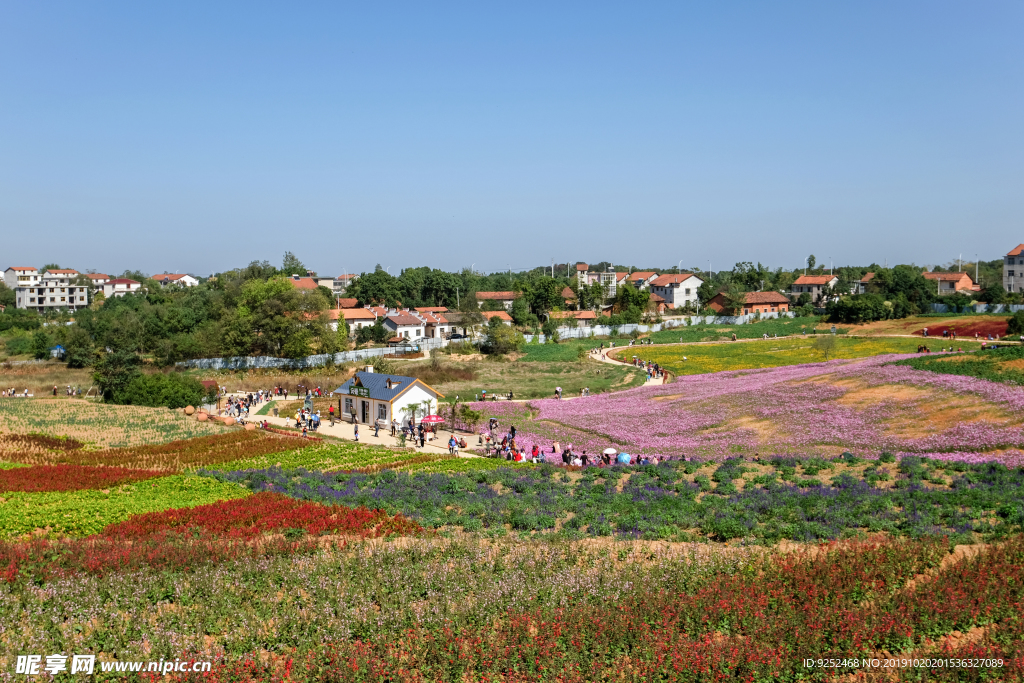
x=996, y=365
x=776, y=326
x=770, y=353
x=80, y=513
x=538, y=379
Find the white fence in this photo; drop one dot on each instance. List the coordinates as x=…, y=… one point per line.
x=605, y=330
x=317, y=361
x=978, y=308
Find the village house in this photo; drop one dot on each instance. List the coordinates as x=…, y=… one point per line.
x=1013, y=269
x=505, y=298
x=306, y=283
x=861, y=285
x=814, y=285
x=657, y=303
x=176, y=279
x=97, y=280
x=348, y=303
x=436, y=324
x=754, y=302
x=582, y=318
x=54, y=289
x=369, y=397
x=569, y=297
x=120, y=286
x=677, y=289
x=950, y=283
x=356, y=318
x=21, y=276
x=641, y=279
x=341, y=283
x=405, y=325
x=432, y=309
x=503, y=316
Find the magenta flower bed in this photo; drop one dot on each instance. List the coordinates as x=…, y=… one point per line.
x=777, y=410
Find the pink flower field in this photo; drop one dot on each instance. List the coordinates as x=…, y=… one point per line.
x=821, y=409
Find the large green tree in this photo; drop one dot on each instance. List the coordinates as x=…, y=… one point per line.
x=376, y=289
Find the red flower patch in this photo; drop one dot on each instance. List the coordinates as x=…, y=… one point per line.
x=40, y=478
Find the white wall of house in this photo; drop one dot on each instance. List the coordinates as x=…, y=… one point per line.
x=407, y=331
x=415, y=395
x=679, y=293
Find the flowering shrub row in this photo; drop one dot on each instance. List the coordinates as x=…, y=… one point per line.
x=263, y=524
x=69, y=477
x=174, y=456
x=671, y=499
x=843, y=601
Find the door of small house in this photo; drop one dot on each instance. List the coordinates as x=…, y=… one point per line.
x=366, y=412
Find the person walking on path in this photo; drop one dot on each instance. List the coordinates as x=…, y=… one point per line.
x=356, y=432
x=394, y=426
x=376, y=428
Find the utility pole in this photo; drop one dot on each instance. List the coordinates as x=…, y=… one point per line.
x=552, y=269
x=976, y=269
x=457, y=304
x=960, y=264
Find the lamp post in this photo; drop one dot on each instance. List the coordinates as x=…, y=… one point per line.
x=679, y=267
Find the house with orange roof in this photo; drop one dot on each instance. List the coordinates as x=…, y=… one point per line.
x=406, y=325
x=63, y=272
x=815, y=285
x=21, y=276
x=677, y=289
x=98, y=279
x=432, y=309
x=503, y=316
x=506, y=298
x=1013, y=270
x=54, y=289
x=861, y=285
x=437, y=325
x=582, y=318
x=341, y=283
x=347, y=303
x=305, y=283
x=176, y=279
x=950, y=283
x=642, y=278
x=356, y=318
x=754, y=302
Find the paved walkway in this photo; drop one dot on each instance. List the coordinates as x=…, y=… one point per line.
x=603, y=356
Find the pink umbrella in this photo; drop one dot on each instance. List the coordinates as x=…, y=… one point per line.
x=432, y=419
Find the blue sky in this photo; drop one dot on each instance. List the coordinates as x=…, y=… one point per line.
x=200, y=136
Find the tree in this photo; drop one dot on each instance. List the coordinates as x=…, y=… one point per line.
x=735, y=298
x=7, y=298
x=40, y=344
x=376, y=289
x=372, y=333
x=78, y=348
x=48, y=267
x=804, y=299
x=291, y=265
x=115, y=371
x=994, y=294
x=1015, y=325
x=811, y=261
x=502, y=338
x=825, y=343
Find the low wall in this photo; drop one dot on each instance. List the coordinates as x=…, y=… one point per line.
x=605, y=330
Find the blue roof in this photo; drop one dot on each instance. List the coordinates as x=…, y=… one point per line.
x=377, y=383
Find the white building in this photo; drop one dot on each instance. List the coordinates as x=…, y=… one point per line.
x=357, y=318
x=405, y=325
x=677, y=289
x=1013, y=270
x=97, y=280
x=176, y=279
x=341, y=283
x=52, y=290
x=120, y=287
x=21, y=276
x=371, y=396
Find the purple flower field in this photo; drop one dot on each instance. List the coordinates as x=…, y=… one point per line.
x=821, y=409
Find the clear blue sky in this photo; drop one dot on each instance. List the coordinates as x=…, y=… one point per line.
x=197, y=136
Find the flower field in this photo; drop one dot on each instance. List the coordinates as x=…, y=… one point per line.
x=462, y=610
x=810, y=499
x=99, y=425
x=69, y=477
x=81, y=513
x=261, y=525
x=174, y=456
x=822, y=409
x=772, y=353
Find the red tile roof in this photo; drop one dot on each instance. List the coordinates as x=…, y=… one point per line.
x=355, y=314
x=63, y=271
x=766, y=298
x=23, y=268
x=303, y=282
x=947, y=277
x=499, y=296
x=122, y=281
x=674, y=278
x=432, y=309
x=583, y=267
x=502, y=315
x=579, y=315
x=97, y=276
x=567, y=293
x=868, y=277
x=405, y=319
x=347, y=276
x=1017, y=251
x=819, y=280
x=348, y=303
x=168, y=276
x=657, y=299
x=641, y=275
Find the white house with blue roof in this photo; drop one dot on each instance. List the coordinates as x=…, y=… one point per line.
x=374, y=396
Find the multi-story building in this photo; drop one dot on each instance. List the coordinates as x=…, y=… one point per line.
x=51, y=291
x=817, y=286
x=677, y=289
x=97, y=280
x=21, y=276
x=1013, y=270
x=342, y=282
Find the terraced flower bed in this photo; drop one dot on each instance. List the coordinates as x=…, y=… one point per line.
x=69, y=477
x=682, y=501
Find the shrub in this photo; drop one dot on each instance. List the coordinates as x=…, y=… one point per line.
x=1015, y=325
x=171, y=391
